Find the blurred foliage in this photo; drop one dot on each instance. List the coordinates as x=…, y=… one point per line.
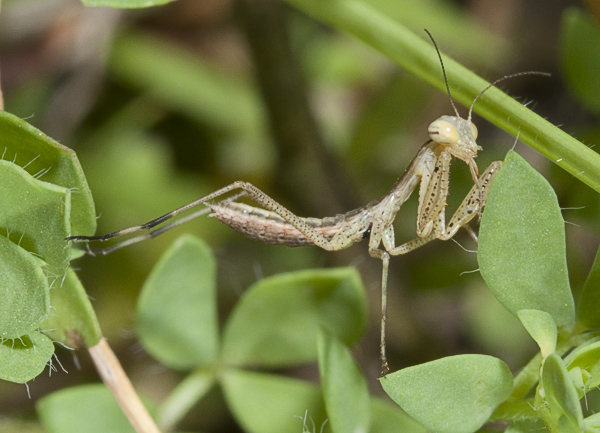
x=162, y=106
x=581, y=35
x=125, y=3
x=92, y=408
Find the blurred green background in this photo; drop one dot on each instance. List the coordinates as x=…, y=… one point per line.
x=164, y=105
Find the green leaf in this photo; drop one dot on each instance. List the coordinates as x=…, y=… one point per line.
x=389, y=418
x=592, y=423
x=125, y=4
x=51, y=162
x=588, y=313
x=277, y=320
x=85, y=408
x=522, y=244
x=579, y=42
x=587, y=358
x=344, y=388
x=561, y=395
x=418, y=57
x=265, y=403
x=73, y=321
x=542, y=329
x=36, y=215
x=24, y=297
x=456, y=394
x=24, y=358
x=176, y=312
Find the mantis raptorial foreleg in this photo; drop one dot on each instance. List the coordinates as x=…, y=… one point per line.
x=432, y=201
x=470, y=207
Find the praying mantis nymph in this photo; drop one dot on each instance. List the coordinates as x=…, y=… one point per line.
x=450, y=137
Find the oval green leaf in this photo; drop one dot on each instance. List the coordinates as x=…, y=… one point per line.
x=561, y=395
x=542, y=329
x=24, y=358
x=265, y=403
x=456, y=394
x=522, y=254
x=176, y=313
x=277, y=320
x=389, y=418
x=36, y=215
x=24, y=291
x=85, y=408
x=51, y=162
x=73, y=321
x=344, y=388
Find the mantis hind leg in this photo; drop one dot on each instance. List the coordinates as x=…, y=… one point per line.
x=247, y=190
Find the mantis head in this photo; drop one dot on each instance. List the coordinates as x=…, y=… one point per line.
x=456, y=132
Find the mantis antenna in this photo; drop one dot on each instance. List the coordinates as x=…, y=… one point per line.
x=489, y=86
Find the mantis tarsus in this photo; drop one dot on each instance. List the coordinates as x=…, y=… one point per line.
x=450, y=137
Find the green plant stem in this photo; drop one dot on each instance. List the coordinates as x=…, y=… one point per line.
x=530, y=374
x=513, y=410
x=183, y=398
x=1, y=96
x=527, y=378
x=419, y=58
x=116, y=380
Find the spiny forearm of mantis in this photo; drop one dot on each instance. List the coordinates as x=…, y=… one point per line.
x=450, y=137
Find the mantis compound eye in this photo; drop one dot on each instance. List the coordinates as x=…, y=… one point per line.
x=474, y=131
x=444, y=130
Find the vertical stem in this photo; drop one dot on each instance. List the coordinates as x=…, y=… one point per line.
x=116, y=380
x=1, y=97
x=285, y=94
